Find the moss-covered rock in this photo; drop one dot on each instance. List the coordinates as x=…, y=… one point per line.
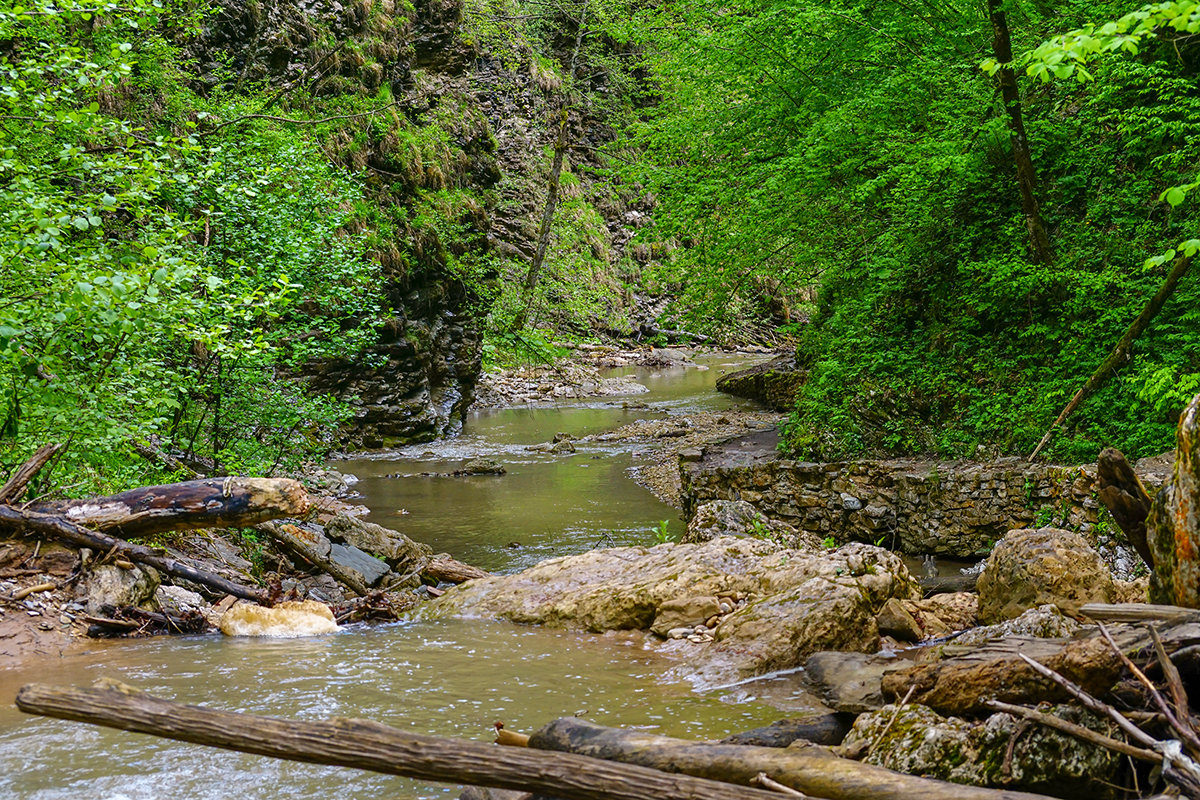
x=1000, y=751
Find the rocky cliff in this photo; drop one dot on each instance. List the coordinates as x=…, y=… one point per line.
x=452, y=150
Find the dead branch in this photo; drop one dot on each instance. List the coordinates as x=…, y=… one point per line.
x=14, y=487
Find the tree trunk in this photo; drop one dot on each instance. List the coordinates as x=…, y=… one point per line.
x=444, y=568
x=1123, y=351
x=811, y=770
x=552, y=190
x=209, y=503
x=295, y=541
x=22, y=475
x=1039, y=239
x=68, y=532
x=1174, y=523
x=363, y=744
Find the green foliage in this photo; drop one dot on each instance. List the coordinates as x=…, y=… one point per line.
x=857, y=153
x=663, y=533
x=158, y=279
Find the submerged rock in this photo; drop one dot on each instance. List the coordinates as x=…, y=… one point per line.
x=1030, y=568
x=1000, y=751
x=289, y=619
x=796, y=602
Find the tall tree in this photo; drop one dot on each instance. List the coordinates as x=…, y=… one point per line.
x=1010, y=93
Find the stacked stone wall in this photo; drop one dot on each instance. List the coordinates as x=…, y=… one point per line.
x=955, y=509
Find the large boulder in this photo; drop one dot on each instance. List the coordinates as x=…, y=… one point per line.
x=1030, y=568
x=792, y=602
x=1000, y=751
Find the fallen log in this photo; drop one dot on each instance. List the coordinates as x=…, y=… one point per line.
x=14, y=487
x=811, y=770
x=363, y=744
x=209, y=503
x=444, y=569
x=296, y=541
x=18, y=521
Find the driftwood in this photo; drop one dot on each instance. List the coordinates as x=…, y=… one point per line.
x=18, y=521
x=1173, y=528
x=295, y=540
x=811, y=770
x=209, y=503
x=444, y=569
x=14, y=487
x=363, y=744
x=1138, y=612
x=1123, y=494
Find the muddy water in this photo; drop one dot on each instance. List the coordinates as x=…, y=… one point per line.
x=452, y=678
x=546, y=505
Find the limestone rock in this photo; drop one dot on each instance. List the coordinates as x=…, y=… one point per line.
x=110, y=585
x=619, y=386
x=1043, y=622
x=943, y=614
x=289, y=619
x=684, y=612
x=177, y=601
x=1134, y=591
x=850, y=682
x=739, y=518
x=999, y=751
x=481, y=466
x=895, y=621
x=392, y=546
x=797, y=602
x=1029, y=568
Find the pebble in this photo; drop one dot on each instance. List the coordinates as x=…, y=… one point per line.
x=725, y=606
x=679, y=633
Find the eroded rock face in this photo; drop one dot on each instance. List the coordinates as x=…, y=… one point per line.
x=1030, y=568
x=774, y=383
x=999, y=751
x=796, y=602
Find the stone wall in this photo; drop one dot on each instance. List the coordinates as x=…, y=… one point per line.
x=955, y=509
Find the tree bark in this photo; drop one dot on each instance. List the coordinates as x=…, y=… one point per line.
x=1010, y=93
x=209, y=503
x=1122, y=493
x=811, y=770
x=1121, y=353
x=294, y=540
x=22, y=475
x=64, y=531
x=363, y=744
x=1174, y=522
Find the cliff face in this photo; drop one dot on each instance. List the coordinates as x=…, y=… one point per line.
x=455, y=162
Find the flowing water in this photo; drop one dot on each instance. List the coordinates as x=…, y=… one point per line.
x=449, y=678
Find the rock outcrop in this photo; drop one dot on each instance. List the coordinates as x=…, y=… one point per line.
x=774, y=384
x=789, y=602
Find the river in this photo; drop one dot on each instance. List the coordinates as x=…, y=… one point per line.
x=448, y=678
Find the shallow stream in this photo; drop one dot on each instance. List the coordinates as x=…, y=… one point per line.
x=449, y=678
